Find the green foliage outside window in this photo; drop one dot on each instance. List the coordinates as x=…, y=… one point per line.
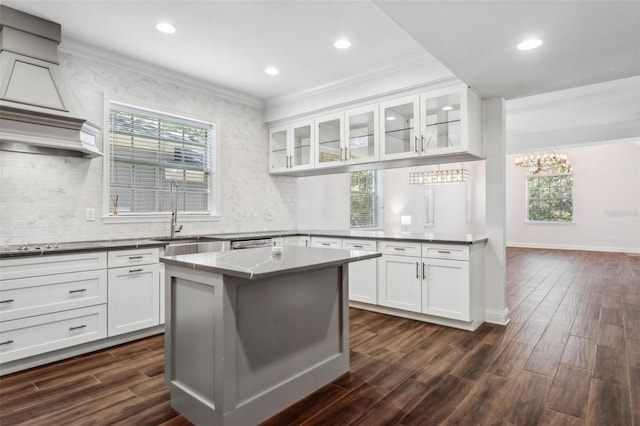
x=550, y=194
x=364, y=199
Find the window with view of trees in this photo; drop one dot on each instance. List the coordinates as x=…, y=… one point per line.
x=550, y=194
x=366, y=199
x=148, y=150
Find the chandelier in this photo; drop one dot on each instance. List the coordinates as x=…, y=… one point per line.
x=438, y=177
x=544, y=161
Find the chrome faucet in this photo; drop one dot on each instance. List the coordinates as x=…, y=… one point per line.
x=174, y=209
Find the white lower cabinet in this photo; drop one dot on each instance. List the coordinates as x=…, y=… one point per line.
x=363, y=275
x=445, y=288
x=399, y=282
x=44, y=333
x=134, y=298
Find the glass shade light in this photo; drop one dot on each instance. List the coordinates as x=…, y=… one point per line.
x=544, y=161
x=438, y=177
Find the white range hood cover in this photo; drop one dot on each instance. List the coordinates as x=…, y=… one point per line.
x=36, y=112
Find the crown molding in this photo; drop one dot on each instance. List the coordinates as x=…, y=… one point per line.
x=410, y=61
x=79, y=48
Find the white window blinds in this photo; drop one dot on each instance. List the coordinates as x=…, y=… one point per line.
x=148, y=150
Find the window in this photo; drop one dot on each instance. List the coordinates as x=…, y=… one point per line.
x=148, y=150
x=366, y=199
x=550, y=194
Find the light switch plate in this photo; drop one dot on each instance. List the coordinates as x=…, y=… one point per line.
x=90, y=215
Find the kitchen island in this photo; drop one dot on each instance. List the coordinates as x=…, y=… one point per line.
x=250, y=332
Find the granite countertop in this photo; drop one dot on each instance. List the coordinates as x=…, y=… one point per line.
x=259, y=263
x=79, y=246
x=361, y=234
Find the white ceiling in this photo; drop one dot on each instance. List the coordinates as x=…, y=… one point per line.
x=229, y=43
x=584, y=42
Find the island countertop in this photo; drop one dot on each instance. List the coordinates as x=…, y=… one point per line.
x=259, y=263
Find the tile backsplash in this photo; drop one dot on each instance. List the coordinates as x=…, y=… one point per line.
x=44, y=198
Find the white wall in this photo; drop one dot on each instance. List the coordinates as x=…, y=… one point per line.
x=606, y=202
x=323, y=201
x=44, y=198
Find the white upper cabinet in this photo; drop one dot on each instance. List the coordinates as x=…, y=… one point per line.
x=291, y=147
x=439, y=126
x=440, y=122
x=400, y=128
x=330, y=140
x=361, y=135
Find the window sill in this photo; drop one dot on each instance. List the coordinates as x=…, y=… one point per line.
x=159, y=218
x=540, y=222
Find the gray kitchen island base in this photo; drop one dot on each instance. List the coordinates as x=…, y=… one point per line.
x=239, y=350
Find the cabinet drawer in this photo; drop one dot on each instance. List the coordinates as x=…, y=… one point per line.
x=359, y=245
x=400, y=248
x=35, y=335
x=445, y=251
x=24, y=267
x=326, y=242
x=26, y=297
x=133, y=257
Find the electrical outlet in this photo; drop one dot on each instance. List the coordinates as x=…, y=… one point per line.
x=90, y=215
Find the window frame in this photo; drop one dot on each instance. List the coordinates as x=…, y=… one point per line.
x=528, y=199
x=150, y=217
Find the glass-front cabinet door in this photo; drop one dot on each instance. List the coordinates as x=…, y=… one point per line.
x=301, y=150
x=399, y=127
x=362, y=136
x=278, y=148
x=443, y=121
x=329, y=140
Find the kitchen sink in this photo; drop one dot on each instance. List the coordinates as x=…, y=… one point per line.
x=177, y=247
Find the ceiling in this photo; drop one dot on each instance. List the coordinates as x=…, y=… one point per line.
x=230, y=43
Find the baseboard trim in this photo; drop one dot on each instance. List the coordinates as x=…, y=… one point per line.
x=497, y=317
x=624, y=250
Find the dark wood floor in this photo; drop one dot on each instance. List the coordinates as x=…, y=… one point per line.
x=570, y=356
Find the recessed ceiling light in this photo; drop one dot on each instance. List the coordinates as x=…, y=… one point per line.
x=342, y=44
x=272, y=71
x=447, y=108
x=530, y=43
x=390, y=118
x=165, y=27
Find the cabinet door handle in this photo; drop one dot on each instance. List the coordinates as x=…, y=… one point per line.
x=6, y=342
x=131, y=271
x=80, y=290
x=422, y=139
x=444, y=252
x=417, y=268
x=415, y=144
x=290, y=161
x=77, y=327
x=135, y=257
x=346, y=154
x=424, y=276
x=6, y=301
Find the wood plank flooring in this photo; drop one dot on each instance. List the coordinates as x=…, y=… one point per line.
x=570, y=356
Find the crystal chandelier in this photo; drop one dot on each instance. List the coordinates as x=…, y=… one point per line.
x=438, y=177
x=544, y=161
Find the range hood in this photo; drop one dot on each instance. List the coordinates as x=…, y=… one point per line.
x=37, y=114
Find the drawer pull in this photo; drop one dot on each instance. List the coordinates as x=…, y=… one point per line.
x=80, y=290
x=6, y=301
x=444, y=252
x=8, y=342
x=77, y=327
x=356, y=246
x=131, y=271
x=135, y=257
x=326, y=244
x=399, y=248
